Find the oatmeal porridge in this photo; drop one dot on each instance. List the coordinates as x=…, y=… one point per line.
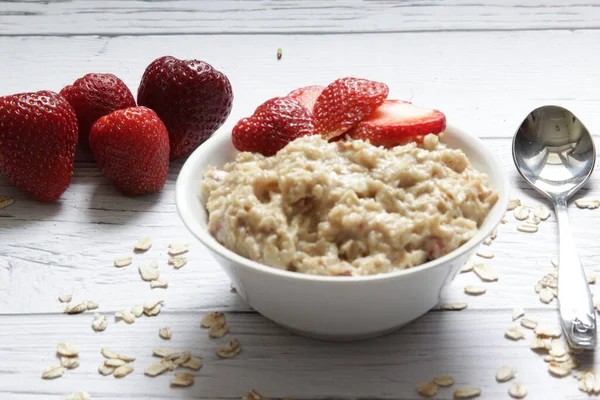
x=346, y=207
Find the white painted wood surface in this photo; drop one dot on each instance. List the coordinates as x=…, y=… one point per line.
x=485, y=65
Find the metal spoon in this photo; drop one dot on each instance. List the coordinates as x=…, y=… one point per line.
x=555, y=154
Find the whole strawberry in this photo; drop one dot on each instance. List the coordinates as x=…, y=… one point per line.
x=94, y=96
x=38, y=134
x=131, y=147
x=273, y=125
x=191, y=97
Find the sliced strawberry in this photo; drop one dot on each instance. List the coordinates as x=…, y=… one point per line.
x=344, y=103
x=307, y=96
x=273, y=125
x=395, y=122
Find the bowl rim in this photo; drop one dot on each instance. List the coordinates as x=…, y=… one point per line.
x=190, y=168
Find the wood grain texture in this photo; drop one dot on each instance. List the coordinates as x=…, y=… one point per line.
x=485, y=82
x=291, y=16
x=486, y=65
x=470, y=346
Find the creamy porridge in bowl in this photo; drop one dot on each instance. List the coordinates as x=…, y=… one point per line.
x=339, y=214
x=346, y=208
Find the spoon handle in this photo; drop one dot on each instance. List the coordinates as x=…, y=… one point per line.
x=575, y=299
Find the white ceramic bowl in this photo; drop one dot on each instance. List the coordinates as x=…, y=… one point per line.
x=336, y=308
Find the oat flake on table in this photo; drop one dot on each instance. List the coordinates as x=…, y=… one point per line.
x=485, y=272
x=444, y=380
x=193, y=363
x=517, y=390
x=512, y=204
x=123, y=371
x=155, y=369
x=176, y=249
x=182, y=379
x=505, y=373
x=77, y=396
x=65, y=298
x=514, y=334
x=143, y=244
x=230, y=349
x=455, y=306
x=165, y=333
x=56, y=371
x=427, y=389
x=5, y=201
x=178, y=261
x=105, y=370
x=521, y=213
x=517, y=313
x=587, y=203
x=467, y=393
x=121, y=262
x=67, y=350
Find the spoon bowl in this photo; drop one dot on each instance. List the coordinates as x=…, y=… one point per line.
x=554, y=152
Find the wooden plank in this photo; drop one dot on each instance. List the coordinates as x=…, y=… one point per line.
x=467, y=345
x=485, y=82
x=296, y=16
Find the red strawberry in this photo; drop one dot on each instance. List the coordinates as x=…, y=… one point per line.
x=307, y=96
x=344, y=103
x=274, y=124
x=131, y=147
x=395, y=122
x=94, y=96
x=191, y=97
x=38, y=134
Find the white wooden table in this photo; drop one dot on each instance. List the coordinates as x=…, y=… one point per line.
x=485, y=65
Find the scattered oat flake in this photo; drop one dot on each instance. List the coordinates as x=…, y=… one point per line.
x=512, y=204
x=533, y=220
x=527, y=228
x=517, y=313
x=212, y=318
x=467, y=393
x=547, y=331
x=123, y=371
x=161, y=352
x=546, y=295
x=155, y=369
x=487, y=241
x=557, y=349
x=100, y=322
x=542, y=212
x=126, y=315
x=77, y=396
x=165, y=333
x=149, y=273
x=69, y=362
x=176, y=249
x=67, y=350
x=114, y=362
x=537, y=344
x=230, y=349
x=485, y=254
x=53, y=372
x=218, y=329
x=427, y=389
x=589, y=382
x=65, y=298
x=109, y=353
x=444, y=380
x=121, y=262
x=125, y=357
x=103, y=369
x=468, y=267
x=253, y=395
x=485, y=272
x=193, y=363
x=456, y=306
x=150, y=304
x=91, y=305
x=558, y=369
x=178, y=261
x=169, y=364
x=159, y=283
x=474, y=289
x=587, y=203
x=182, y=379
x=537, y=287
x=505, y=373
x=154, y=311
x=591, y=277
x=179, y=358
x=143, y=244
x=137, y=310
x=517, y=390
x=528, y=323
x=494, y=234
x=514, y=334
x=562, y=359
x=548, y=358
x=5, y=201
x=521, y=213
x=76, y=308
x=503, y=220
